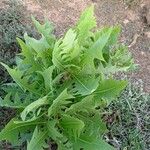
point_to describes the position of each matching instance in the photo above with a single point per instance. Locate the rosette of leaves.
(62, 85)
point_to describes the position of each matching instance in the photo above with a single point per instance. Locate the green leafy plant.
(61, 86)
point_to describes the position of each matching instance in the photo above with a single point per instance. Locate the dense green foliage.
(62, 85)
(129, 128)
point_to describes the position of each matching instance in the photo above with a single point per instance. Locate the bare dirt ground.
(135, 22)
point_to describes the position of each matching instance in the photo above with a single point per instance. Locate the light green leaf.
(109, 89)
(122, 59)
(38, 45)
(68, 40)
(85, 24)
(14, 102)
(38, 140)
(66, 50)
(26, 52)
(33, 106)
(59, 103)
(59, 138)
(22, 82)
(41, 47)
(85, 105)
(14, 127)
(72, 126)
(70, 46)
(30, 59)
(56, 57)
(85, 85)
(96, 50)
(94, 124)
(88, 142)
(46, 29)
(53, 132)
(112, 38)
(47, 76)
(64, 144)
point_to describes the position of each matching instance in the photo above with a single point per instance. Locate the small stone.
(147, 34)
(126, 21)
(148, 16)
(142, 53)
